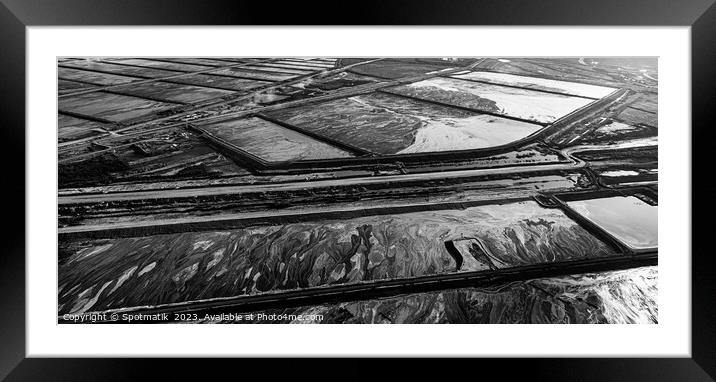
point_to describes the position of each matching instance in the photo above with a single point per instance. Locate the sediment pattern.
(113, 107)
(622, 297)
(272, 142)
(388, 124)
(159, 269)
(520, 103)
(536, 83)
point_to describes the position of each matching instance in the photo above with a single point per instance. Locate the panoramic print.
(373, 190)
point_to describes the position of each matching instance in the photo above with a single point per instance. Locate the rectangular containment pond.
(525, 104)
(311, 68)
(307, 63)
(70, 128)
(109, 273)
(388, 124)
(536, 83)
(266, 68)
(171, 92)
(93, 78)
(220, 82)
(66, 86)
(255, 74)
(628, 218)
(180, 67)
(124, 70)
(271, 142)
(200, 61)
(112, 107)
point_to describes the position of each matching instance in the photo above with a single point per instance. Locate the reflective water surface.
(628, 218)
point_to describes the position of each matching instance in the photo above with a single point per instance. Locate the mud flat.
(628, 218)
(388, 124)
(66, 86)
(519, 103)
(70, 128)
(112, 273)
(162, 64)
(633, 116)
(621, 297)
(111, 107)
(291, 65)
(255, 74)
(133, 71)
(171, 92)
(158, 69)
(480, 131)
(536, 83)
(202, 61)
(648, 101)
(108, 71)
(182, 267)
(93, 77)
(221, 82)
(266, 68)
(271, 142)
(306, 63)
(567, 69)
(393, 68)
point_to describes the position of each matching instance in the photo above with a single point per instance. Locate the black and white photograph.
(193, 188)
(357, 190)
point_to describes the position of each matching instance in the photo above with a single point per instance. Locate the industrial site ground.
(357, 190)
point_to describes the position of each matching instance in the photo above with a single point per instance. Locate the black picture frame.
(16, 15)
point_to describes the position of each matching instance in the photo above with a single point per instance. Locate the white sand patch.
(204, 244)
(89, 303)
(641, 142)
(615, 127)
(123, 278)
(440, 71)
(619, 173)
(87, 252)
(521, 103)
(147, 268)
(468, 133)
(564, 87)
